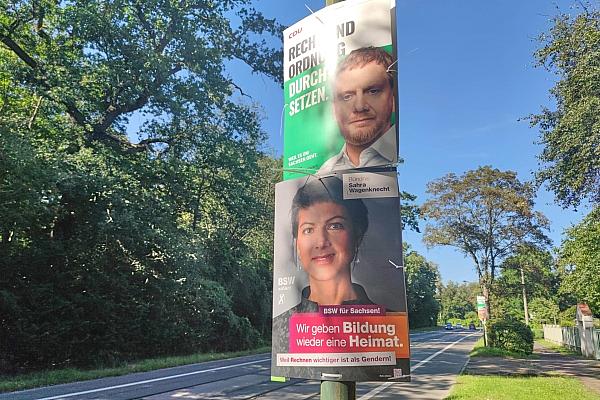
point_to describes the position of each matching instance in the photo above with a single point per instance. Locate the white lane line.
(384, 386)
(164, 378)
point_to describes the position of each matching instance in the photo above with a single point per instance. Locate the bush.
(567, 317)
(511, 335)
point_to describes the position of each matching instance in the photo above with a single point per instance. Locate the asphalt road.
(436, 359)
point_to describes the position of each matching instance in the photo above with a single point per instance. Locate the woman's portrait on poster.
(327, 233)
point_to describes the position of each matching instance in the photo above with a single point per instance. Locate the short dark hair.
(365, 55)
(330, 189)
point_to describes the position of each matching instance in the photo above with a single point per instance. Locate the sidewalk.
(546, 363)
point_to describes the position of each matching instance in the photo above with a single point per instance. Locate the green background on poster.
(311, 134)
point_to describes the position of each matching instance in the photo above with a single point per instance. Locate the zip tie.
(304, 171)
(313, 13)
(390, 66)
(281, 121)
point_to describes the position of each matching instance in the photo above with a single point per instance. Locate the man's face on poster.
(363, 103)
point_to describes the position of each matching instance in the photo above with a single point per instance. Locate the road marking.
(384, 386)
(164, 378)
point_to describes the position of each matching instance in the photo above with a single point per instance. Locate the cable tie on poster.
(281, 120)
(313, 13)
(305, 171)
(389, 165)
(331, 377)
(390, 66)
(395, 266)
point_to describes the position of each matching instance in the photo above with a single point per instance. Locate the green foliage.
(568, 316)
(473, 317)
(511, 335)
(571, 133)
(579, 261)
(99, 61)
(111, 277)
(458, 301)
(508, 306)
(537, 264)
(541, 286)
(113, 250)
(422, 278)
(479, 350)
(543, 311)
(409, 211)
(486, 213)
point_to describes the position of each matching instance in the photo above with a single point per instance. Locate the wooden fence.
(571, 337)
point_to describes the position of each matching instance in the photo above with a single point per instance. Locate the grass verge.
(481, 351)
(54, 377)
(557, 347)
(470, 387)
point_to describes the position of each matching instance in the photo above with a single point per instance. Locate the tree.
(100, 61)
(579, 261)
(113, 250)
(485, 213)
(543, 311)
(571, 133)
(422, 279)
(567, 317)
(527, 273)
(457, 300)
(409, 211)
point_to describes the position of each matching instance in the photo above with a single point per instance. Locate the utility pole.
(337, 390)
(524, 295)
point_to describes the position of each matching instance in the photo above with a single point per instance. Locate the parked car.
(459, 325)
(472, 326)
(448, 326)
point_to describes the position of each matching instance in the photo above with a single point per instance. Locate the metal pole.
(485, 341)
(524, 296)
(337, 390)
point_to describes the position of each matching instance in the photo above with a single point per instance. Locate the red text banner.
(315, 333)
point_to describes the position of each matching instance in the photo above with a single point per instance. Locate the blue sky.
(466, 78)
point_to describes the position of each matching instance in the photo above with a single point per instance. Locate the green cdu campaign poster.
(340, 91)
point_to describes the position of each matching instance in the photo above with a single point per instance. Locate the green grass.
(54, 377)
(470, 387)
(557, 347)
(481, 351)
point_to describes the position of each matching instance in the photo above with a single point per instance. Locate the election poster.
(339, 296)
(340, 89)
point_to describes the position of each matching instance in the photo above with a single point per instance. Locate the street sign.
(481, 308)
(480, 302)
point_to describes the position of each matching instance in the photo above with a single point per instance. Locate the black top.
(307, 305)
